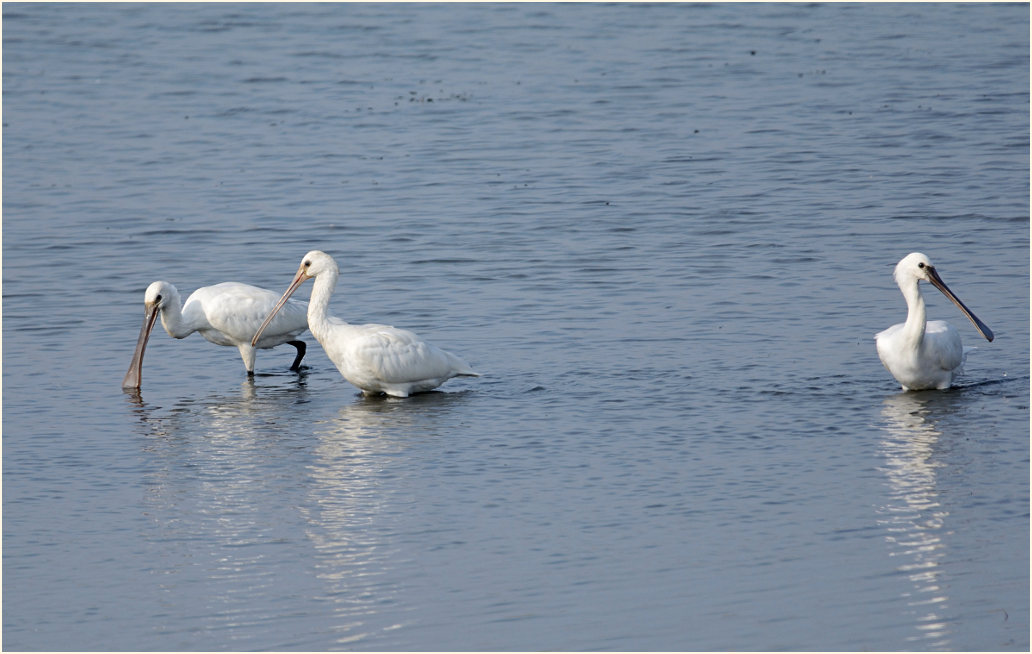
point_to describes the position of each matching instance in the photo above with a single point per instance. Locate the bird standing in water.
(225, 314)
(924, 354)
(378, 359)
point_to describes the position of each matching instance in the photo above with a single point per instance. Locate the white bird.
(378, 359)
(921, 354)
(225, 314)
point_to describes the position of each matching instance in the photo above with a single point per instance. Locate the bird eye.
(920, 264)
(158, 298)
(307, 263)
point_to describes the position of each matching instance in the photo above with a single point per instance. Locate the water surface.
(665, 234)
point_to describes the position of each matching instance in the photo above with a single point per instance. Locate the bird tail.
(460, 367)
(959, 370)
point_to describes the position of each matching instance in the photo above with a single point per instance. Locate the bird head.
(158, 295)
(316, 262)
(914, 266)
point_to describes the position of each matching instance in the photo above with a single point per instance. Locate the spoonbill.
(378, 359)
(924, 354)
(225, 314)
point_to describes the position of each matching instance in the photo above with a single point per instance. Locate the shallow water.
(665, 234)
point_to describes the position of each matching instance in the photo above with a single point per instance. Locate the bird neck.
(318, 304)
(172, 317)
(914, 328)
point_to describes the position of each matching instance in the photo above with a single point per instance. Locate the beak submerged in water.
(135, 372)
(299, 279)
(937, 282)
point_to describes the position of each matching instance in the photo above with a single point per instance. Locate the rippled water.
(664, 233)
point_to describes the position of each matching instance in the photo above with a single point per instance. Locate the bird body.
(923, 354)
(385, 359)
(225, 314)
(933, 360)
(378, 359)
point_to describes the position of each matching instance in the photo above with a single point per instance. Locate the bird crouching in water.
(378, 359)
(924, 354)
(225, 314)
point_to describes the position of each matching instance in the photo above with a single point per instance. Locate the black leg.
(301, 347)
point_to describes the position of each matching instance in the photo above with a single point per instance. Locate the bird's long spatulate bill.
(135, 372)
(982, 328)
(298, 279)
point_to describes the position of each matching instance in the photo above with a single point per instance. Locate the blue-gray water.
(665, 234)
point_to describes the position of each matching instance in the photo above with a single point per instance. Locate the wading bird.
(923, 354)
(225, 314)
(378, 359)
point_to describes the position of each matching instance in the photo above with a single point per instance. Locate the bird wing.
(237, 310)
(398, 356)
(943, 341)
(888, 332)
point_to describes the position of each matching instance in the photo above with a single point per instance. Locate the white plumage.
(225, 314)
(378, 359)
(924, 354)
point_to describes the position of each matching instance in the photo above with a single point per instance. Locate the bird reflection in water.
(914, 518)
(217, 520)
(356, 503)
